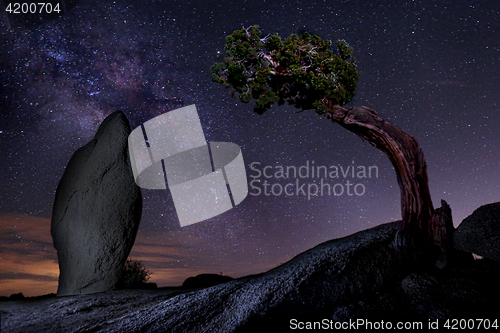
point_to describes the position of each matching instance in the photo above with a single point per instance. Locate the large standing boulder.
(96, 213)
(480, 232)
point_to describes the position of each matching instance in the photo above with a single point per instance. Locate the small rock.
(205, 280)
(17, 296)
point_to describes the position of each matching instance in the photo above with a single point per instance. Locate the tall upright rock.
(96, 213)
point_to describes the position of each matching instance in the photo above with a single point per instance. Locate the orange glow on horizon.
(29, 259)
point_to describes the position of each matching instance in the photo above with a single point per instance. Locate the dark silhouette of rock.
(149, 285)
(96, 211)
(205, 280)
(16, 296)
(464, 289)
(480, 232)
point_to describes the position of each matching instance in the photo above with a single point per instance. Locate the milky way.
(430, 67)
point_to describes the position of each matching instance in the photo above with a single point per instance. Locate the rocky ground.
(349, 278)
(77, 313)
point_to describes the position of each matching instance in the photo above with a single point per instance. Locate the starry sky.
(429, 67)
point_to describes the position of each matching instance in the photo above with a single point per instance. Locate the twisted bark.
(424, 233)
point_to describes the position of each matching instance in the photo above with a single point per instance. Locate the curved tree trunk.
(425, 233)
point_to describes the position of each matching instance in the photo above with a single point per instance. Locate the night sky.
(429, 67)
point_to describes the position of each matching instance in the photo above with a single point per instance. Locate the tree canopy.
(302, 70)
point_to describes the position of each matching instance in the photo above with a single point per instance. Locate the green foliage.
(133, 275)
(301, 70)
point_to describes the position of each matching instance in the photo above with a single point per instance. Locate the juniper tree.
(308, 72)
